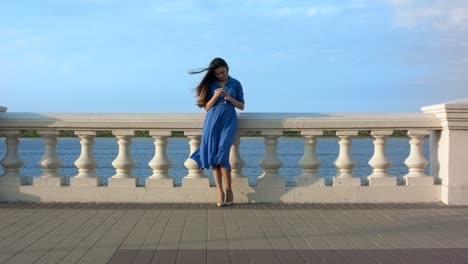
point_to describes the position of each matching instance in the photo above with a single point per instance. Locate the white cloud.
(307, 11)
(167, 7)
(438, 14)
(311, 11)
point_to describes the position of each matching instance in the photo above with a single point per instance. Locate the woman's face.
(221, 73)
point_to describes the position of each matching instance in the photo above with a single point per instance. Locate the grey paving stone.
(49, 241)
(56, 254)
(24, 239)
(90, 241)
(260, 233)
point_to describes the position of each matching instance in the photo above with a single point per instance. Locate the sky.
(133, 56)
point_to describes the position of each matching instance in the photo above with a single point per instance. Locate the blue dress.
(219, 128)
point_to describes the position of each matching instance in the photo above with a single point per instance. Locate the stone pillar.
(50, 163)
(271, 163)
(379, 161)
(86, 163)
(309, 162)
(449, 147)
(160, 163)
(123, 164)
(416, 162)
(344, 163)
(195, 176)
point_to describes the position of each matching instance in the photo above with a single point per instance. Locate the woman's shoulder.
(235, 81)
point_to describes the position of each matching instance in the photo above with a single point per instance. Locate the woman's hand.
(227, 96)
(218, 92)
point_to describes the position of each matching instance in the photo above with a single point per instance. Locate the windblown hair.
(202, 89)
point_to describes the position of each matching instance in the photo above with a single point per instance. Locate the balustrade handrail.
(194, 121)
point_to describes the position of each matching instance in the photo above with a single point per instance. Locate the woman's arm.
(237, 104)
(212, 101)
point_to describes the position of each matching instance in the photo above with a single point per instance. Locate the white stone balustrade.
(309, 162)
(379, 161)
(271, 163)
(160, 163)
(86, 163)
(123, 164)
(446, 123)
(416, 162)
(344, 163)
(50, 162)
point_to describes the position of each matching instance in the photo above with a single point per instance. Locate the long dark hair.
(202, 89)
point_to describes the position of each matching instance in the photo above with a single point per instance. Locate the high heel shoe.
(229, 198)
(220, 202)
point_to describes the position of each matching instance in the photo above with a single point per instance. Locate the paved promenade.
(261, 233)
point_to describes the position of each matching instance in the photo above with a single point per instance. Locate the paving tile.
(66, 246)
(22, 239)
(169, 244)
(144, 256)
(106, 247)
(284, 249)
(25, 222)
(90, 241)
(49, 241)
(193, 245)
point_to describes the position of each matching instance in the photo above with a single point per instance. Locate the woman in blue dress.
(219, 94)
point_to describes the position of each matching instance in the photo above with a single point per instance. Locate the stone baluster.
(50, 163)
(344, 163)
(86, 163)
(123, 164)
(379, 161)
(309, 162)
(239, 181)
(416, 162)
(195, 176)
(271, 163)
(160, 162)
(11, 162)
(235, 159)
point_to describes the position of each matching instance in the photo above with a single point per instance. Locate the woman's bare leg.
(226, 173)
(217, 175)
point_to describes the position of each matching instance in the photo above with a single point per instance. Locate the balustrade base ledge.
(122, 182)
(239, 183)
(382, 181)
(348, 182)
(315, 182)
(270, 179)
(48, 181)
(454, 195)
(84, 182)
(195, 182)
(419, 181)
(245, 194)
(159, 183)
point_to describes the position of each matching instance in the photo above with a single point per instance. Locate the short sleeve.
(240, 93)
